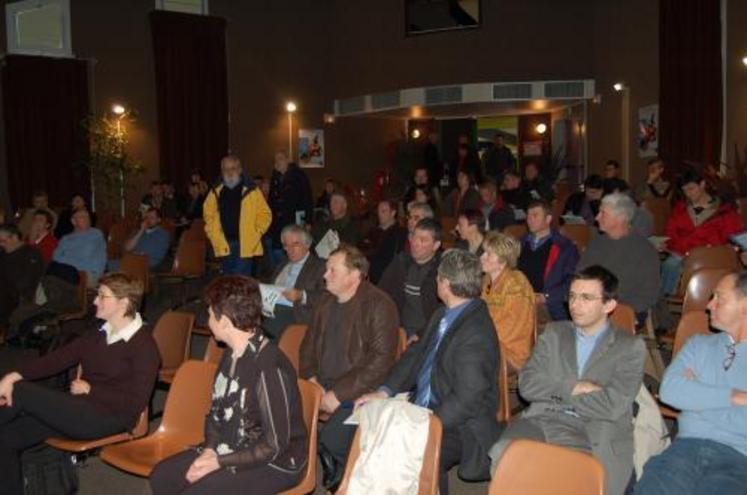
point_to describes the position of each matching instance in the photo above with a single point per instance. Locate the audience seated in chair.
(509, 297)
(548, 259)
(643, 220)
(535, 184)
(582, 380)
(255, 436)
(410, 279)
(39, 201)
(65, 220)
(384, 241)
(452, 370)
(119, 368)
(471, 228)
(463, 197)
(631, 258)
(349, 349)
(302, 275)
(21, 269)
(585, 204)
(656, 186)
(513, 191)
(150, 239)
(339, 221)
(84, 248)
(41, 236)
(498, 214)
(707, 382)
(700, 220)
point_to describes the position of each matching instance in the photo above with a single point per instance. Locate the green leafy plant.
(112, 169)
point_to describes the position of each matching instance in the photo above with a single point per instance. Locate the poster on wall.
(648, 130)
(311, 148)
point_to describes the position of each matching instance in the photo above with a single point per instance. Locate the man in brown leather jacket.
(349, 348)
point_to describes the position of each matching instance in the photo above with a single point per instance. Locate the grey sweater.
(635, 263)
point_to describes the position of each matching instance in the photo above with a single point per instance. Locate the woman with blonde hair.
(509, 296)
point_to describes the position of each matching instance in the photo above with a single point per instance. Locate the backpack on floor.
(48, 471)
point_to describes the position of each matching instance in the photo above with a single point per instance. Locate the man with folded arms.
(707, 382)
(581, 380)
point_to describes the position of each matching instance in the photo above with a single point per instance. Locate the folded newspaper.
(327, 244)
(270, 295)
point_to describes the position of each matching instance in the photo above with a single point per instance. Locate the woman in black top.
(255, 437)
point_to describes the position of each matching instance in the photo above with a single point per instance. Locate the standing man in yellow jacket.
(236, 216)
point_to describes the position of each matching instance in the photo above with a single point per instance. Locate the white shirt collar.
(126, 333)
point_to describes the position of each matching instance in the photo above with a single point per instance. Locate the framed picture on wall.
(648, 130)
(311, 148)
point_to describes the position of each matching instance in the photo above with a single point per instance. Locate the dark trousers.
(337, 438)
(234, 264)
(39, 413)
(693, 466)
(168, 478)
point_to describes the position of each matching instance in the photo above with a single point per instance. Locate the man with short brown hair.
(349, 348)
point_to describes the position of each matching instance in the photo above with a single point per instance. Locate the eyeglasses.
(731, 354)
(102, 295)
(572, 296)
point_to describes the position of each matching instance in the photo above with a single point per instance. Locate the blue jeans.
(671, 271)
(234, 264)
(692, 466)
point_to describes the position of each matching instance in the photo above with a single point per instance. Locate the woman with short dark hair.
(255, 437)
(119, 365)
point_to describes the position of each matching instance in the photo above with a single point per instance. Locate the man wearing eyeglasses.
(582, 379)
(707, 382)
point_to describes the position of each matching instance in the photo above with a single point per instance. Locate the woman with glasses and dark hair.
(118, 369)
(255, 437)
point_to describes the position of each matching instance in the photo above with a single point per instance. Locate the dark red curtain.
(192, 93)
(690, 81)
(45, 102)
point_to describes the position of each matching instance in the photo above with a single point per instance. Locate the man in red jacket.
(700, 220)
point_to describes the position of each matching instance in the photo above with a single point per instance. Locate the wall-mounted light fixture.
(541, 128)
(618, 86)
(290, 107)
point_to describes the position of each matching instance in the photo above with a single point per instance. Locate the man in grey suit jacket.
(303, 277)
(582, 380)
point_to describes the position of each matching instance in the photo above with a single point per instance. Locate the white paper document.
(573, 219)
(329, 243)
(270, 295)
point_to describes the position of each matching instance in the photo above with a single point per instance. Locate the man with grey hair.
(630, 257)
(415, 213)
(303, 277)
(452, 369)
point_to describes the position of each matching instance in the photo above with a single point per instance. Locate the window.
(39, 27)
(186, 6)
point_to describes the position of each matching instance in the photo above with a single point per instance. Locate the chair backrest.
(700, 288)
(449, 238)
(504, 394)
(428, 482)
(742, 203)
(660, 208)
(136, 266)
(691, 323)
(290, 342)
(311, 398)
(213, 352)
(402, 342)
(535, 468)
(189, 259)
(707, 257)
(517, 231)
(188, 402)
(624, 317)
(117, 236)
(172, 337)
(195, 232)
(579, 233)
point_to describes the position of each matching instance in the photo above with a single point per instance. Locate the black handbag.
(48, 471)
